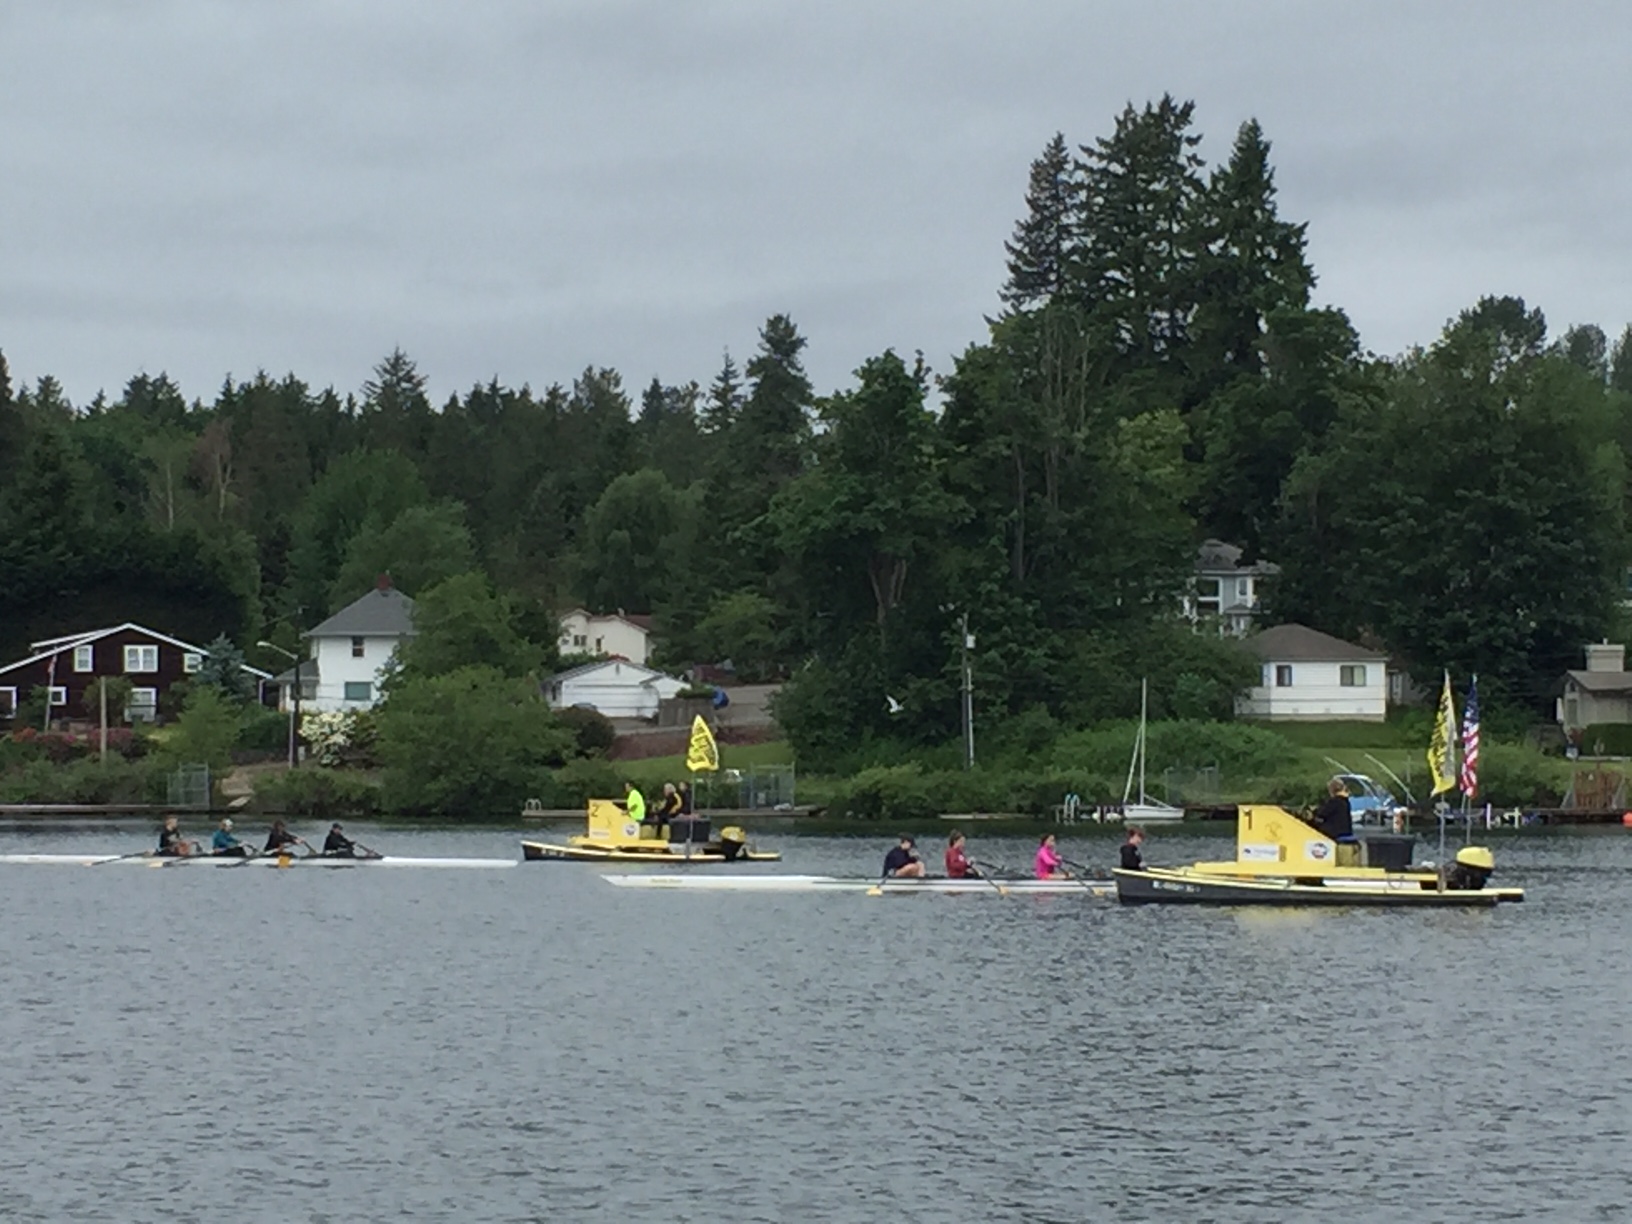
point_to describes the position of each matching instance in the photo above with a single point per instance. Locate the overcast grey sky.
(521, 188)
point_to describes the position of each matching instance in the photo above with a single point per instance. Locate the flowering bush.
(340, 737)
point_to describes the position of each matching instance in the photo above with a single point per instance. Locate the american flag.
(1470, 741)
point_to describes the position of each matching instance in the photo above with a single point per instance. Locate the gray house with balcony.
(1225, 592)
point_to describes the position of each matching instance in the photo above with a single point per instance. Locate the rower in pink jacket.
(1050, 866)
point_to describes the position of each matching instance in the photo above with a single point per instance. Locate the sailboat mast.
(1144, 700)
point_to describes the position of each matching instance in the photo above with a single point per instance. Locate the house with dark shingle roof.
(1600, 694)
(1314, 676)
(351, 652)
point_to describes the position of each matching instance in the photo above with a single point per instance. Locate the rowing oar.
(981, 875)
(122, 858)
(877, 890)
(248, 857)
(1085, 872)
(367, 853)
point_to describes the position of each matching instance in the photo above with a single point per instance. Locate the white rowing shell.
(264, 860)
(814, 883)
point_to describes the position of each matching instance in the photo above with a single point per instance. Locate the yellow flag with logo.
(1441, 748)
(703, 754)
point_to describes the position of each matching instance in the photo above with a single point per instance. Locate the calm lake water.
(535, 1045)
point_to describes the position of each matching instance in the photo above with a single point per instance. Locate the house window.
(356, 648)
(59, 695)
(598, 642)
(1283, 675)
(579, 639)
(8, 701)
(1352, 675)
(84, 658)
(1243, 588)
(144, 705)
(191, 662)
(141, 658)
(359, 690)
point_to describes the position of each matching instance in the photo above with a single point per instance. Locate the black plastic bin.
(1390, 851)
(698, 826)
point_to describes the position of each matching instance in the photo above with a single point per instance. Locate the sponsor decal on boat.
(1261, 853)
(1319, 851)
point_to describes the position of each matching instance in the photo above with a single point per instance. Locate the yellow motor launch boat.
(1281, 860)
(613, 838)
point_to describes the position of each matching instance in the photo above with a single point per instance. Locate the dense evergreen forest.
(1155, 373)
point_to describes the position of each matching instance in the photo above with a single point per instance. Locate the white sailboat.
(1146, 810)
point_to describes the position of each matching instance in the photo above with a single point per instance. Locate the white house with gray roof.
(351, 652)
(1314, 676)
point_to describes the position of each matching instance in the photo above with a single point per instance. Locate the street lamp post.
(968, 643)
(294, 712)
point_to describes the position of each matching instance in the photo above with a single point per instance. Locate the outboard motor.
(1474, 866)
(733, 841)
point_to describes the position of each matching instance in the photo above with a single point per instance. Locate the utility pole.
(294, 713)
(968, 694)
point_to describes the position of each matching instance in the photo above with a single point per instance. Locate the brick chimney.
(1604, 657)
(383, 583)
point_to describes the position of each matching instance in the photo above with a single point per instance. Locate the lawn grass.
(658, 770)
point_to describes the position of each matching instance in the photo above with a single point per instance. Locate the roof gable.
(641, 674)
(383, 612)
(47, 647)
(1301, 644)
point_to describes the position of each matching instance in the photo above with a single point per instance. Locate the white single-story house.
(1600, 694)
(351, 652)
(615, 687)
(621, 635)
(1314, 676)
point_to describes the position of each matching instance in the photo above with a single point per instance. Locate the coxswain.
(958, 866)
(1473, 868)
(171, 842)
(685, 798)
(1049, 865)
(634, 803)
(903, 862)
(225, 843)
(1132, 860)
(337, 844)
(280, 838)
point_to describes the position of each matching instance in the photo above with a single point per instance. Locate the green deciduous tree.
(637, 542)
(420, 547)
(1486, 534)
(463, 622)
(469, 743)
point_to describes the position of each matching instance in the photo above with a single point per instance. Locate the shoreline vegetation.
(1234, 762)
(1016, 528)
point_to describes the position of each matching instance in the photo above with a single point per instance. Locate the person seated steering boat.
(1335, 819)
(225, 843)
(172, 844)
(634, 803)
(958, 864)
(1048, 864)
(337, 844)
(1472, 870)
(279, 839)
(1132, 860)
(903, 862)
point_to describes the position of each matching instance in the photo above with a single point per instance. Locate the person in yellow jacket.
(634, 803)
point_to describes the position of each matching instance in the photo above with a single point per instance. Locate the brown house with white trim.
(153, 662)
